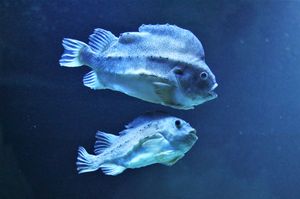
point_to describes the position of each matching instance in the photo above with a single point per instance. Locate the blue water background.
(249, 137)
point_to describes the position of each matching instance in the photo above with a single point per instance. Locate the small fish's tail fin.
(73, 47)
(85, 161)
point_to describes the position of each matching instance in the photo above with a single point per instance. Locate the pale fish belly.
(154, 150)
(134, 77)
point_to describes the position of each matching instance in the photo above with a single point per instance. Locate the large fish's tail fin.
(85, 161)
(99, 41)
(71, 56)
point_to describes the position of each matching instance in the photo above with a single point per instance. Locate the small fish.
(161, 64)
(149, 139)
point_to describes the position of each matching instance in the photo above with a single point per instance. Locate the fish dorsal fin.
(101, 39)
(124, 132)
(146, 118)
(103, 141)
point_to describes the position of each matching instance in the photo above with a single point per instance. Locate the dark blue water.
(249, 137)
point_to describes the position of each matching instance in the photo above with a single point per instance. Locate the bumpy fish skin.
(160, 64)
(150, 139)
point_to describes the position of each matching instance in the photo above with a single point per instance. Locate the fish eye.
(178, 124)
(204, 75)
(178, 71)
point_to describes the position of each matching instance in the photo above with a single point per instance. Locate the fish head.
(196, 82)
(179, 133)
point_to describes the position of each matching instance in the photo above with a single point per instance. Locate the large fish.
(161, 64)
(149, 139)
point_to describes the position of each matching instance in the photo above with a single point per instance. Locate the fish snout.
(193, 131)
(214, 86)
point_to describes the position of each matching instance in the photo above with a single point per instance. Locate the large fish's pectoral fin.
(165, 92)
(103, 141)
(112, 169)
(91, 80)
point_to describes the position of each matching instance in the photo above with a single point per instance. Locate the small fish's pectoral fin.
(165, 92)
(173, 161)
(112, 169)
(154, 141)
(103, 141)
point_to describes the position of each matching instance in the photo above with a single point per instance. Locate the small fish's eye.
(178, 124)
(178, 71)
(204, 75)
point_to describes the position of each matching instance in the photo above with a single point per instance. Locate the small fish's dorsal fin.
(145, 118)
(124, 132)
(103, 141)
(101, 39)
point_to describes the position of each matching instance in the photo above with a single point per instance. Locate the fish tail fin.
(71, 55)
(85, 161)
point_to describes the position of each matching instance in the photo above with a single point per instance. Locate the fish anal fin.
(103, 141)
(91, 80)
(112, 169)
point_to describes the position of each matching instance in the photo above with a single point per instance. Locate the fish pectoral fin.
(173, 161)
(112, 169)
(153, 141)
(165, 92)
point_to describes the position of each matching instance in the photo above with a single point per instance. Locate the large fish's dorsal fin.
(146, 118)
(103, 141)
(101, 39)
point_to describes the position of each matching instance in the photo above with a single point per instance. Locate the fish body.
(149, 139)
(161, 64)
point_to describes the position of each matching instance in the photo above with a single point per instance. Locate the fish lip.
(193, 132)
(212, 93)
(214, 86)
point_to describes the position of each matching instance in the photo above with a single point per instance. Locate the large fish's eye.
(204, 75)
(178, 124)
(178, 71)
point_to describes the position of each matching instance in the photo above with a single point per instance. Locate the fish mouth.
(193, 132)
(212, 94)
(192, 137)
